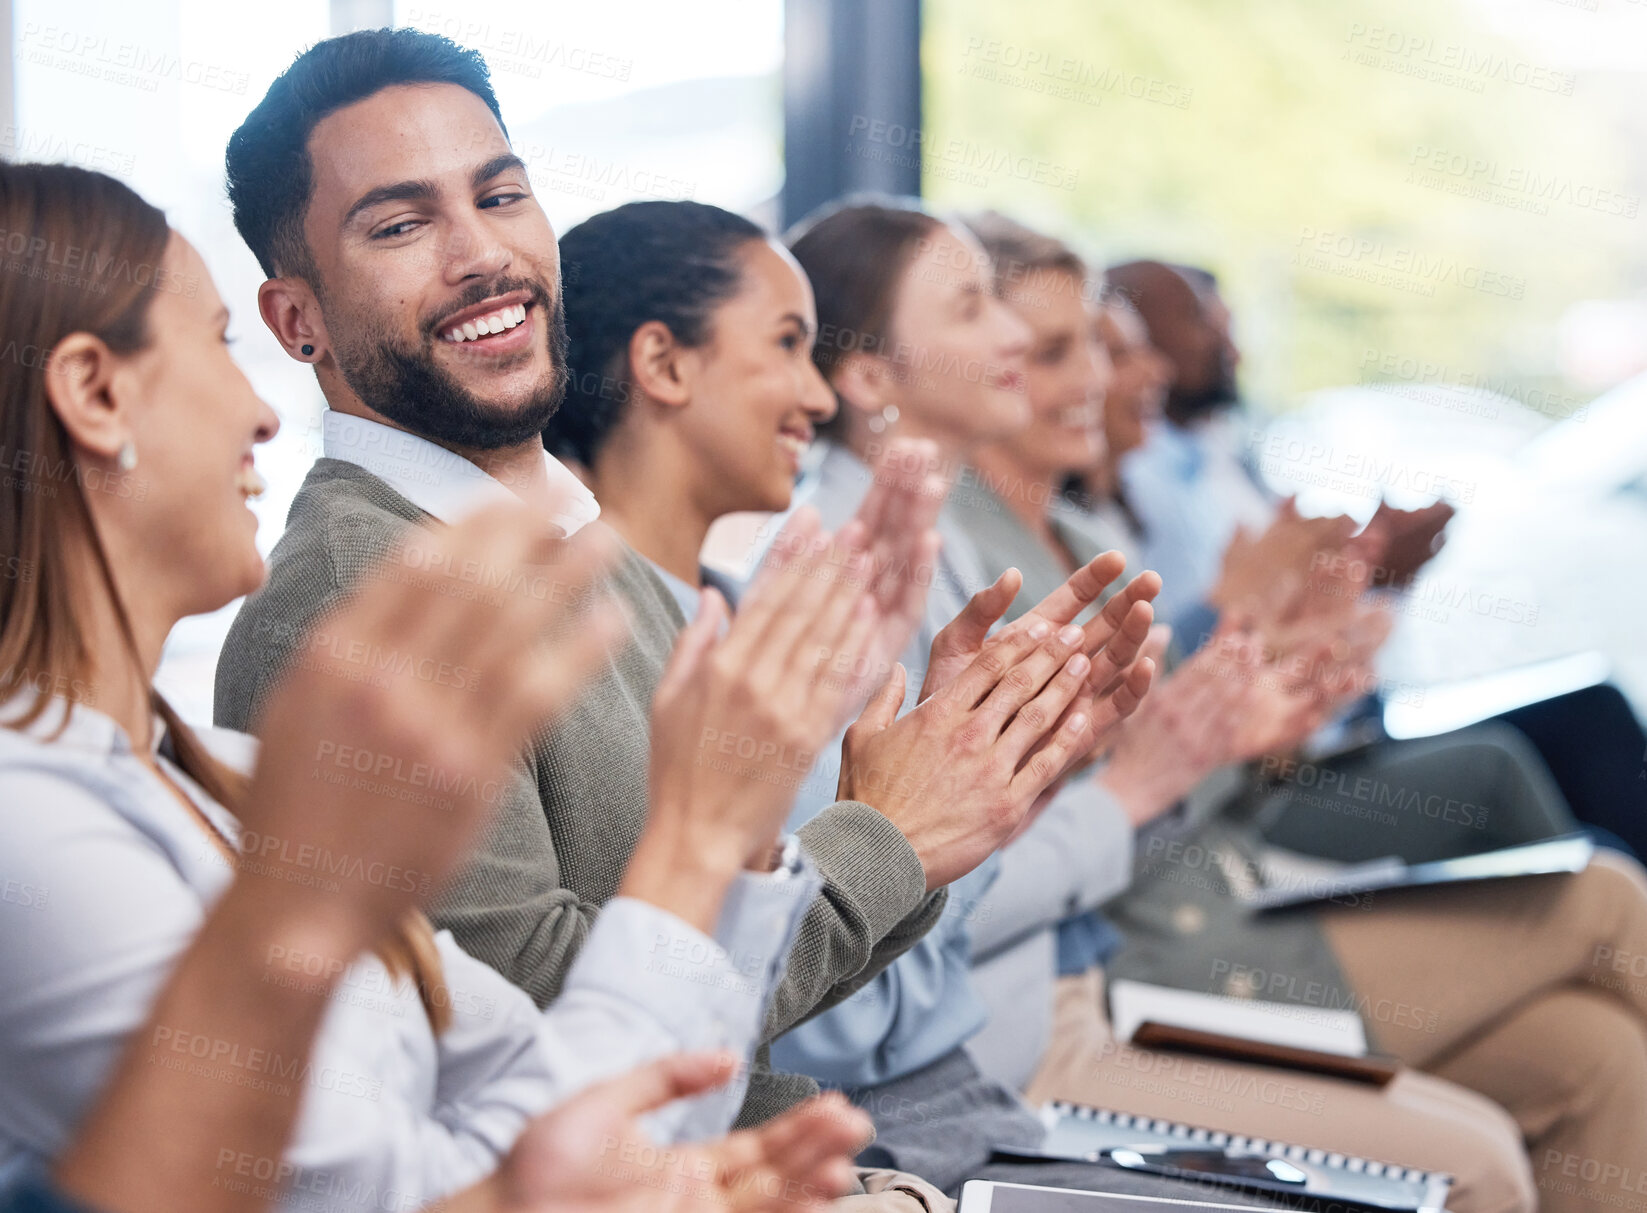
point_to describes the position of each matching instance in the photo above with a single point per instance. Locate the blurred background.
(1424, 214)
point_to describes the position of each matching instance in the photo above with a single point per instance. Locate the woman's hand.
(591, 1155)
(738, 720)
(385, 746)
(957, 773)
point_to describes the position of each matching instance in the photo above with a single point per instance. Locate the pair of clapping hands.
(1299, 633)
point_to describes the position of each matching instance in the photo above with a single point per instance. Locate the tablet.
(986, 1196)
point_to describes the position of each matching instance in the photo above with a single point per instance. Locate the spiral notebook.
(1079, 1134)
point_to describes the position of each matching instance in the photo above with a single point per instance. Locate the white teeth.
(250, 483)
(485, 326)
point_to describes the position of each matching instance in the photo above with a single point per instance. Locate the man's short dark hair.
(270, 174)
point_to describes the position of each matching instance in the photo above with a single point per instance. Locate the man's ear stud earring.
(308, 349)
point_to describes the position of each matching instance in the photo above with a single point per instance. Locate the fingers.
(536, 599)
(651, 1086)
(1123, 646)
(882, 709)
(1019, 685)
(967, 631)
(902, 595)
(1041, 714)
(778, 580)
(816, 617)
(1160, 639)
(1083, 588)
(807, 1136)
(1065, 746)
(999, 654)
(1135, 684)
(1099, 629)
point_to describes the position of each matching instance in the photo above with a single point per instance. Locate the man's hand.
(1259, 573)
(409, 701)
(591, 1155)
(1412, 538)
(958, 772)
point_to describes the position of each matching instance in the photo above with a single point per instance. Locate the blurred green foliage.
(1370, 179)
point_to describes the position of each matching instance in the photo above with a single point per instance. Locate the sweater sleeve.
(873, 908)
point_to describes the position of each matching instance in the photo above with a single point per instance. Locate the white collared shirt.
(105, 878)
(434, 479)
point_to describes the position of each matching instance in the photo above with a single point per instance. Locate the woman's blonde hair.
(81, 253)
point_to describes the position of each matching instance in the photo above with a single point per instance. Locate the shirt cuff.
(762, 915)
(701, 995)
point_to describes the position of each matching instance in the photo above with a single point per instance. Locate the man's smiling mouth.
(485, 325)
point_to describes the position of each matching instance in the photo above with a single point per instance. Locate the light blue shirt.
(1191, 490)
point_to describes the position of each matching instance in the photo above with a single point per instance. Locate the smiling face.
(1068, 374)
(1139, 386)
(956, 350)
(439, 277)
(194, 422)
(756, 394)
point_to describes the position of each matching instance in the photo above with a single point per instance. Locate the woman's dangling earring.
(887, 416)
(126, 456)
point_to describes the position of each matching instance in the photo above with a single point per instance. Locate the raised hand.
(1412, 539)
(960, 640)
(1260, 572)
(592, 1155)
(409, 701)
(1112, 639)
(957, 773)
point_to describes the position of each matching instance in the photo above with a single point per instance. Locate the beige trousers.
(1525, 1000)
(1535, 994)
(1416, 1120)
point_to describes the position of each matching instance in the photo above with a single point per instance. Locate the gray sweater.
(571, 817)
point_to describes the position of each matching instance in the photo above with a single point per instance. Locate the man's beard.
(410, 389)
